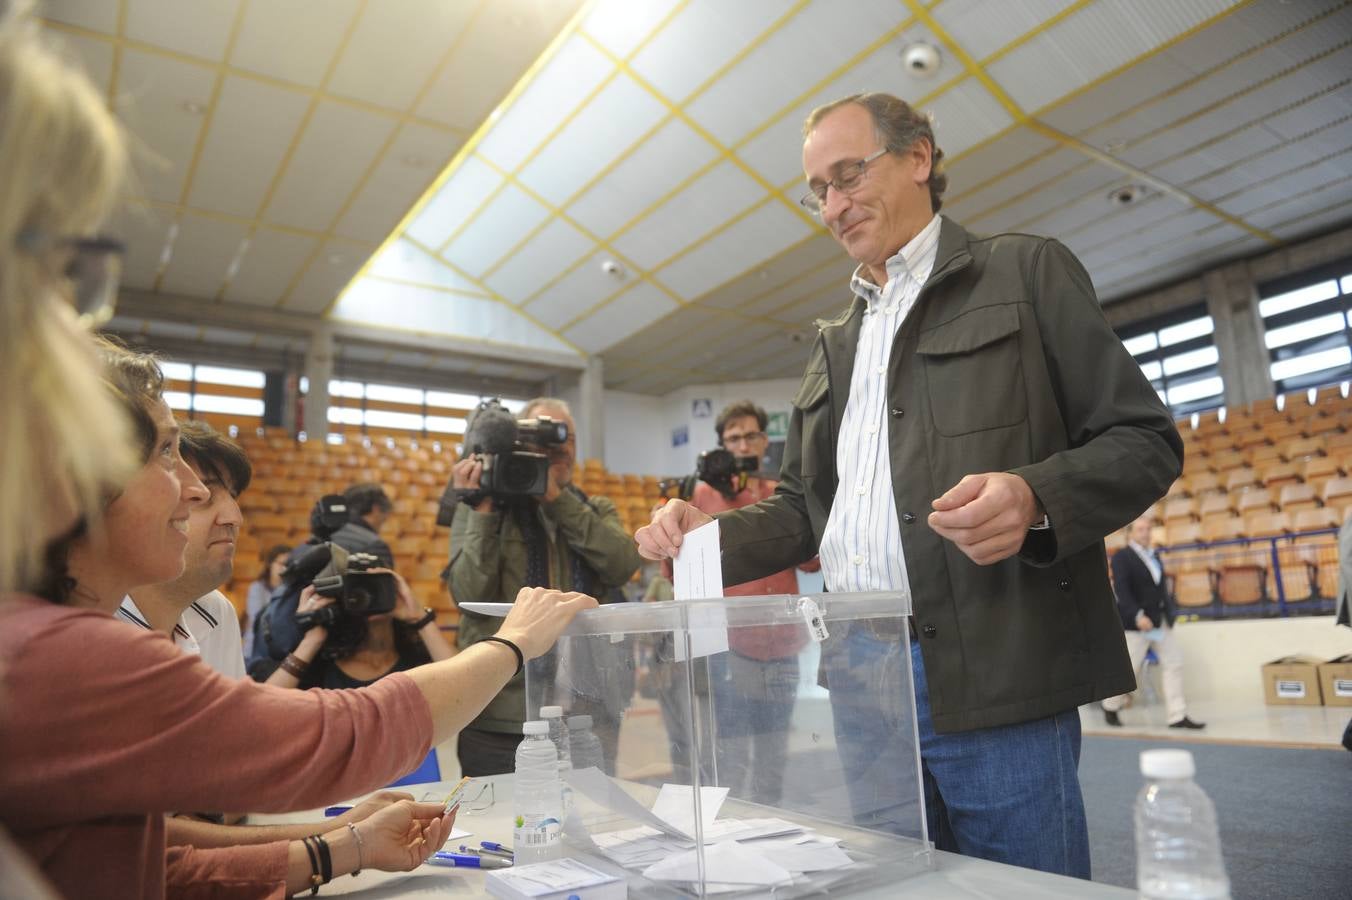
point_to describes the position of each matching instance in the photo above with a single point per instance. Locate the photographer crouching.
(517, 520)
(359, 620)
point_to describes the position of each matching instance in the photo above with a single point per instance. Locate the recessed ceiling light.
(193, 107)
(1126, 194)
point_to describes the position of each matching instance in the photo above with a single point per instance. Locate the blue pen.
(336, 810)
(466, 860)
(494, 845)
(502, 854)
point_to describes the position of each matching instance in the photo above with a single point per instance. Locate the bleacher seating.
(290, 475)
(1260, 490)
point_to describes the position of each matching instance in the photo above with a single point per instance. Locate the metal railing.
(1285, 575)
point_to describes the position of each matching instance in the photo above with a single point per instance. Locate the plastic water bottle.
(558, 733)
(1178, 846)
(584, 744)
(537, 804)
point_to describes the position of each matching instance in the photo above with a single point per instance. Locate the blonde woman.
(103, 727)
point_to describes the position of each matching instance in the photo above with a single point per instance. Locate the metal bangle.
(357, 834)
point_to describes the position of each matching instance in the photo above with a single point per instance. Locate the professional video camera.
(334, 572)
(719, 469)
(501, 440)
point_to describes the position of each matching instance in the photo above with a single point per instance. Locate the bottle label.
(536, 831)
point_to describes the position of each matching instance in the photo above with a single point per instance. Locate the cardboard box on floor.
(1292, 681)
(1335, 680)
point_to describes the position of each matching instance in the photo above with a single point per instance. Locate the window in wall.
(221, 390)
(365, 407)
(1307, 320)
(1177, 352)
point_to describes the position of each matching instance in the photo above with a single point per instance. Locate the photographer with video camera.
(756, 683)
(517, 520)
(360, 622)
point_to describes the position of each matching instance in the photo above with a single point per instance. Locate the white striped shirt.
(861, 546)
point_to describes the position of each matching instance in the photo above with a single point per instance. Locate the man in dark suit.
(1148, 615)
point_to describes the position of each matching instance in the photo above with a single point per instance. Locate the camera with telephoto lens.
(723, 471)
(507, 447)
(357, 593)
(719, 469)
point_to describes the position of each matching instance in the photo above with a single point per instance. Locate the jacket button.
(908, 518)
(929, 631)
(1064, 584)
(897, 412)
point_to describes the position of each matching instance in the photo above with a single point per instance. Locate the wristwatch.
(430, 616)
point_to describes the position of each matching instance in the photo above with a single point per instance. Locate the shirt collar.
(130, 612)
(915, 260)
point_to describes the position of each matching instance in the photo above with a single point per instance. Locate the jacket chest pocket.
(810, 403)
(973, 371)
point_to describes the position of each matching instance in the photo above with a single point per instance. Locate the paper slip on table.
(951, 877)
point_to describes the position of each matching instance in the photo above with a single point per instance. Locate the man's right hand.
(465, 477)
(538, 617)
(662, 538)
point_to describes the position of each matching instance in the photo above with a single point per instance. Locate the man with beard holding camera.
(757, 682)
(561, 539)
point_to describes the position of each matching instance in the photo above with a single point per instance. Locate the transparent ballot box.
(743, 746)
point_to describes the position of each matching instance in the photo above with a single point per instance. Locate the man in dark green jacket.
(965, 434)
(563, 540)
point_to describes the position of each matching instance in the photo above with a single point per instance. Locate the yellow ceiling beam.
(275, 182)
(1083, 147)
(247, 74)
(115, 73)
(210, 111)
(470, 145)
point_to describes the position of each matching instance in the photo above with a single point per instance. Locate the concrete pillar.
(1232, 301)
(590, 410)
(318, 369)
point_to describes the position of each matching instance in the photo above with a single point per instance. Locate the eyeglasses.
(845, 182)
(749, 438)
(93, 266)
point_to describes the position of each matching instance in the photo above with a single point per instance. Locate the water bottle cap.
(551, 712)
(1167, 764)
(579, 721)
(536, 727)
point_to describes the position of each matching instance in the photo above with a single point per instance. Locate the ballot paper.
(697, 574)
(675, 805)
(672, 813)
(697, 570)
(724, 863)
(555, 880)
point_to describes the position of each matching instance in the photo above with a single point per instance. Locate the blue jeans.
(1009, 793)
(753, 706)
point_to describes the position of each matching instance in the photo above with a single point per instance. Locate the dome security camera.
(921, 59)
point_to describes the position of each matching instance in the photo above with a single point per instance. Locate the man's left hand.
(559, 475)
(986, 515)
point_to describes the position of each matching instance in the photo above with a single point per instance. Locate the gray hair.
(898, 126)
